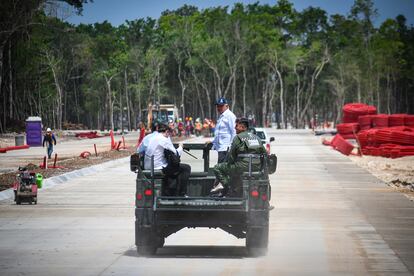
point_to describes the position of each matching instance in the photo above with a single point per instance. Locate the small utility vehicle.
(244, 213)
(25, 188)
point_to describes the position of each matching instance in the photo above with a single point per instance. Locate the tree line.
(271, 61)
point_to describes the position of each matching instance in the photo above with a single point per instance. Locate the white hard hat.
(48, 129)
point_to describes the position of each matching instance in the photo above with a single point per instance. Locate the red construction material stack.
(380, 121)
(348, 130)
(352, 111)
(365, 121)
(363, 138)
(389, 151)
(384, 135)
(396, 120)
(341, 145)
(334, 141)
(403, 136)
(89, 135)
(409, 120)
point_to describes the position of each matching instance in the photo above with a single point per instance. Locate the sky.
(116, 12)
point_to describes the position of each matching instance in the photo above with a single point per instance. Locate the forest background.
(272, 62)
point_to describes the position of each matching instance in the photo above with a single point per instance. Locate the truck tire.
(257, 239)
(147, 241)
(146, 250)
(161, 241)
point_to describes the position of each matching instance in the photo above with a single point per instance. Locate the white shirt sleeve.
(232, 126)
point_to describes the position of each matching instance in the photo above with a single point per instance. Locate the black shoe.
(218, 194)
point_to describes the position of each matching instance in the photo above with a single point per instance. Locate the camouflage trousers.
(224, 171)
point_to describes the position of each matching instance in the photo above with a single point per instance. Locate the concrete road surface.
(330, 218)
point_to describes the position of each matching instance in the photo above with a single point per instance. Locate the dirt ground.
(397, 173)
(68, 164)
(70, 160)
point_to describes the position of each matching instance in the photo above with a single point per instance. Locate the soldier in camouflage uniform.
(243, 143)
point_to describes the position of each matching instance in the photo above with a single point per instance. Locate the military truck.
(244, 213)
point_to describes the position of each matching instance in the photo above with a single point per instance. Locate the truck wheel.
(161, 242)
(146, 250)
(257, 239)
(18, 200)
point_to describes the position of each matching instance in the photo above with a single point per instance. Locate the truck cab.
(244, 213)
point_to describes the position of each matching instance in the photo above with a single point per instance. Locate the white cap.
(48, 129)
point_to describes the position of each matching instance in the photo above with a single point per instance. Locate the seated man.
(243, 143)
(156, 147)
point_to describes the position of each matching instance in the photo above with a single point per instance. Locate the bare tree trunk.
(1, 87)
(217, 78)
(282, 99)
(358, 81)
(233, 94)
(244, 91)
(298, 92)
(75, 91)
(200, 100)
(110, 101)
(59, 97)
(65, 99)
(264, 103)
(1, 127)
(127, 99)
(121, 113)
(378, 93)
(388, 93)
(158, 82)
(272, 93)
(10, 83)
(183, 88)
(315, 75)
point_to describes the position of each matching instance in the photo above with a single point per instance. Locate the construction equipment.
(25, 189)
(163, 113)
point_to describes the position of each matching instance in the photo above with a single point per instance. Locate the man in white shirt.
(225, 129)
(158, 143)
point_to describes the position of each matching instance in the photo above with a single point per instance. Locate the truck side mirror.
(272, 139)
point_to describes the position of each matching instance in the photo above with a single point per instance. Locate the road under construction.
(330, 217)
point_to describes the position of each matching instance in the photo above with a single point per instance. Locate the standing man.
(244, 143)
(225, 129)
(50, 139)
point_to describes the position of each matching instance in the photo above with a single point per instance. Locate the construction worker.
(243, 143)
(50, 139)
(198, 127)
(206, 128)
